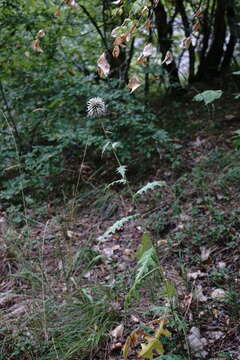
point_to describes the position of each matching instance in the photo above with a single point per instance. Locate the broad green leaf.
(208, 96)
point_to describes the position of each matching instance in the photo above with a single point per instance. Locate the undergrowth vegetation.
(120, 204)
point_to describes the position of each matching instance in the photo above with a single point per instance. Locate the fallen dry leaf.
(218, 294)
(117, 332)
(199, 294)
(195, 275)
(205, 253)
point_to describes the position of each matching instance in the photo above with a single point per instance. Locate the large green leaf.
(208, 96)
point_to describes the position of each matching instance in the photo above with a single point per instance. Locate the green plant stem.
(117, 159)
(73, 208)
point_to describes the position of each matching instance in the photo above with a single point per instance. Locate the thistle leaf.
(149, 186)
(116, 226)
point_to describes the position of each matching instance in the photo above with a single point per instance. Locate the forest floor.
(68, 292)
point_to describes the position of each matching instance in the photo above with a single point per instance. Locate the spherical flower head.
(96, 107)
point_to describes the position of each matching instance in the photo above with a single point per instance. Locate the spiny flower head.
(96, 107)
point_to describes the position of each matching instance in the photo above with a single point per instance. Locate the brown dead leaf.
(103, 65)
(196, 27)
(57, 13)
(116, 51)
(141, 60)
(168, 58)
(187, 42)
(148, 50)
(117, 332)
(36, 46)
(131, 340)
(134, 83)
(120, 40)
(148, 24)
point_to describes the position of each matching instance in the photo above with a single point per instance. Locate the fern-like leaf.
(116, 226)
(150, 186)
(146, 266)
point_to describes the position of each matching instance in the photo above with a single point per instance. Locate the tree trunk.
(216, 51)
(187, 31)
(164, 31)
(232, 23)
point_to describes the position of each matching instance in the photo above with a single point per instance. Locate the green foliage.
(236, 139)
(149, 187)
(116, 226)
(146, 266)
(208, 96)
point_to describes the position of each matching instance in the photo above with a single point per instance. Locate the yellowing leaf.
(131, 340)
(103, 65)
(147, 349)
(134, 83)
(144, 10)
(154, 343)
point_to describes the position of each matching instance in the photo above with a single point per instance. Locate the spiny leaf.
(117, 182)
(122, 170)
(144, 246)
(149, 186)
(147, 264)
(116, 226)
(154, 343)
